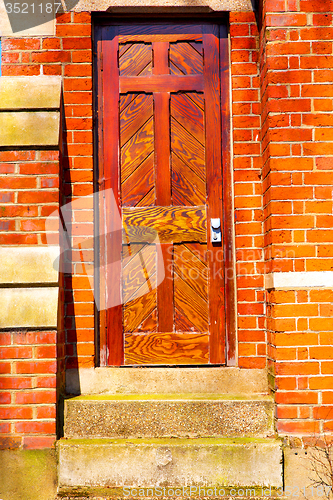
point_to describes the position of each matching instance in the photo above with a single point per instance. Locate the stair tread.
(214, 441)
(172, 397)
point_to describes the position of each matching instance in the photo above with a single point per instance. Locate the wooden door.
(161, 153)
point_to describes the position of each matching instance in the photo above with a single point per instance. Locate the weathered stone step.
(169, 463)
(163, 416)
(167, 380)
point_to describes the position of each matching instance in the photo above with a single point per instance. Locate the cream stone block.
(42, 26)
(26, 265)
(147, 380)
(304, 279)
(164, 5)
(24, 92)
(29, 129)
(28, 307)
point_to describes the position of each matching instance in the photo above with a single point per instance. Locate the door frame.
(103, 182)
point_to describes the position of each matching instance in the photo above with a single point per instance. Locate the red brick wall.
(30, 180)
(29, 193)
(282, 106)
(27, 389)
(296, 94)
(246, 121)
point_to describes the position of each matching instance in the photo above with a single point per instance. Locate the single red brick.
(46, 412)
(38, 442)
(49, 155)
(316, 5)
(297, 427)
(10, 443)
(5, 398)
(52, 69)
(76, 43)
(43, 352)
(5, 338)
(36, 367)
(4, 428)
(50, 56)
(322, 19)
(18, 239)
(10, 57)
(15, 352)
(82, 17)
(20, 70)
(298, 19)
(35, 397)
(36, 427)
(51, 43)
(252, 362)
(15, 413)
(46, 382)
(64, 17)
(5, 368)
(299, 397)
(20, 44)
(41, 197)
(71, 30)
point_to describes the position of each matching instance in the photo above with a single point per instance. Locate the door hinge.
(101, 61)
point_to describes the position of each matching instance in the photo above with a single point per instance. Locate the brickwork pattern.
(29, 194)
(27, 389)
(282, 102)
(246, 123)
(296, 93)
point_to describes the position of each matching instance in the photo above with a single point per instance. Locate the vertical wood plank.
(165, 298)
(100, 249)
(161, 58)
(112, 181)
(163, 186)
(230, 290)
(162, 148)
(214, 190)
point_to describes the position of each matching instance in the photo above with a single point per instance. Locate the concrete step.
(169, 463)
(166, 380)
(166, 416)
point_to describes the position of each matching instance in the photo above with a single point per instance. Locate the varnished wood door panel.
(166, 165)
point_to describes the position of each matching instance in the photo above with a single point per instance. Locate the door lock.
(215, 230)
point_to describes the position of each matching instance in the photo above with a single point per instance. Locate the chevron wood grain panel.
(135, 189)
(183, 323)
(187, 187)
(197, 46)
(136, 150)
(138, 310)
(185, 59)
(191, 269)
(139, 273)
(149, 324)
(134, 58)
(189, 303)
(187, 148)
(173, 224)
(190, 116)
(125, 100)
(191, 288)
(147, 200)
(198, 99)
(166, 348)
(135, 115)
